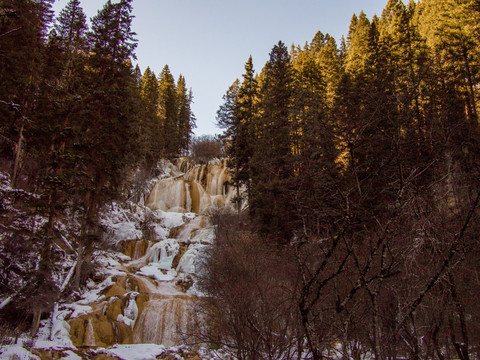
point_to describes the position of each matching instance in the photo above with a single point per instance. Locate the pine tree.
(168, 112)
(186, 118)
(450, 29)
(225, 113)
(327, 56)
(138, 75)
(60, 110)
(23, 30)
(110, 129)
(358, 43)
(71, 28)
(112, 39)
(271, 165)
(245, 110)
(150, 126)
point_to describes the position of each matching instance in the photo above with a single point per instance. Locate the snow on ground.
(153, 271)
(135, 352)
(16, 352)
(123, 222)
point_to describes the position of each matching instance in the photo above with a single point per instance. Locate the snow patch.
(153, 271)
(135, 352)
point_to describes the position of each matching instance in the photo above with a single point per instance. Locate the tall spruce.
(150, 127)
(60, 114)
(245, 112)
(225, 113)
(23, 30)
(108, 140)
(272, 160)
(186, 118)
(451, 29)
(168, 112)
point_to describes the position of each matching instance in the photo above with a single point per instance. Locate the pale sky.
(209, 41)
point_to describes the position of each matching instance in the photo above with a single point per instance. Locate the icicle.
(131, 310)
(188, 197)
(115, 332)
(89, 335)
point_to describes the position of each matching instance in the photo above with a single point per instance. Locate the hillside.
(141, 290)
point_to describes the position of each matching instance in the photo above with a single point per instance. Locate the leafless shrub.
(250, 310)
(205, 148)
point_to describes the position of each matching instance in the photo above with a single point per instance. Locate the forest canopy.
(79, 126)
(359, 158)
(360, 161)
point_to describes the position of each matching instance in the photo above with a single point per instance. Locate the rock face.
(147, 294)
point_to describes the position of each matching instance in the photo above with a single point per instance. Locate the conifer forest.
(337, 215)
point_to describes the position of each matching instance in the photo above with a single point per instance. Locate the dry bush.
(205, 148)
(250, 311)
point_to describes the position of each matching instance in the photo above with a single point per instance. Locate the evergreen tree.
(168, 112)
(225, 114)
(271, 166)
(186, 118)
(451, 29)
(245, 112)
(150, 126)
(328, 59)
(358, 43)
(112, 39)
(23, 29)
(138, 75)
(71, 28)
(109, 132)
(23, 32)
(60, 113)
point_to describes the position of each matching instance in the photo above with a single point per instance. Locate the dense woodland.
(360, 161)
(79, 126)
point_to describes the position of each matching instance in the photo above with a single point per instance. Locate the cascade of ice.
(199, 188)
(164, 321)
(130, 313)
(163, 253)
(150, 297)
(89, 334)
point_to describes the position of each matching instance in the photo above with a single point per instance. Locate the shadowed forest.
(358, 159)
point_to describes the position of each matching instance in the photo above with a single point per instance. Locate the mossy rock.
(124, 333)
(77, 330)
(114, 308)
(135, 249)
(174, 232)
(103, 331)
(49, 354)
(117, 289)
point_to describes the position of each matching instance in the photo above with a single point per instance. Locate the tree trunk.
(52, 322)
(460, 347)
(37, 313)
(18, 154)
(78, 266)
(472, 105)
(377, 332)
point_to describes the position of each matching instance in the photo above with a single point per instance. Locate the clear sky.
(209, 41)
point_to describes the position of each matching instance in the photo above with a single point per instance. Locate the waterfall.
(164, 321)
(152, 287)
(196, 190)
(89, 334)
